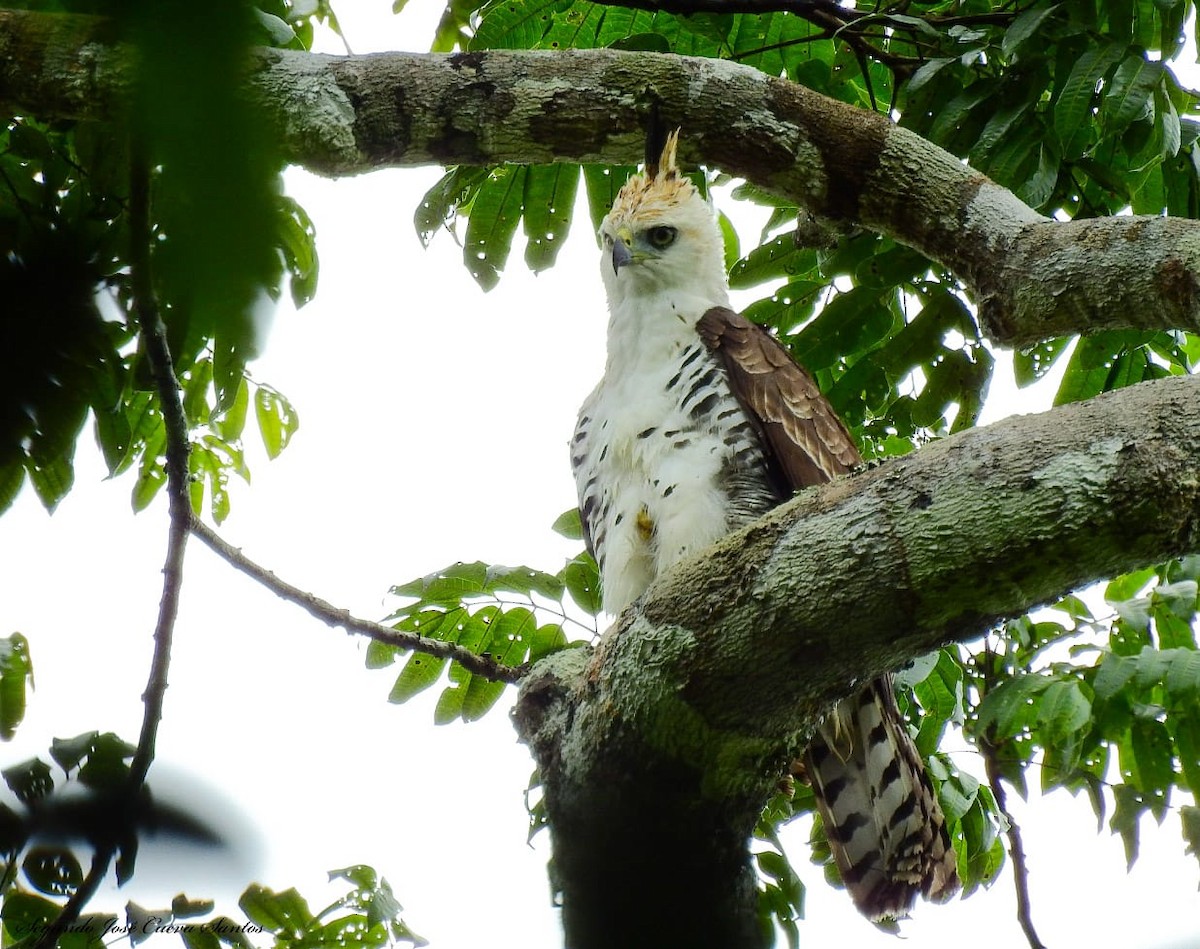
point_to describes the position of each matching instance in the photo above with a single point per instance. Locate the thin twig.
(1016, 848)
(326, 612)
(154, 340)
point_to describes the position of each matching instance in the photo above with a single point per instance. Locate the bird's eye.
(662, 236)
(607, 238)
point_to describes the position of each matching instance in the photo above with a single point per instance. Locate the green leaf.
(1023, 27)
(453, 193)
(1030, 365)
(1113, 674)
(449, 704)
(1009, 707)
(1178, 597)
(1135, 613)
(12, 477)
(277, 420)
(106, 768)
(1152, 751)
(26, 915)
(449, 586)
(853, 321)
(1038, 188)
(479, 697)
(1168, 120)
(1182, 677)
(1000, 127)
(568, 525)
(550, 192)
(1128, 97)
(583, 583)
(231, 933)
(779, 257)
(199, 937)
(1189, 818)
(380, 655)
(1127, 586)
(1073, 108)
(284, 913)
(495, 213)
(546, 640)
(16, 672)
(29, 781)
(51, 478)
(926, 71)
(231, 422)
(69, 752)
(52, 870)
(1063, 710)
(297, 239)
(418, 674)
(143, 923)
(184, 908)
(1125, 819)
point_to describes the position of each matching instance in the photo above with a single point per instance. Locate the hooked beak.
(621, 255)
(621, 252)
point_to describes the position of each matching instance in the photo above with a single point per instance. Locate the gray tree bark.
(677, 729)
(1031, 277)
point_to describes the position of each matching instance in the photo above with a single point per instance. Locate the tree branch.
(1032, 277)
(711, 681)
(1016, 847)
(326, 612)
(154, 341)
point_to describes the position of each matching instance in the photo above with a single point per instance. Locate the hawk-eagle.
(701, 423)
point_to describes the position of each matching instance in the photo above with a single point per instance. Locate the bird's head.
(661, 234)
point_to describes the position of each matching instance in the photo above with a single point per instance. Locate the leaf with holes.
(495, 214)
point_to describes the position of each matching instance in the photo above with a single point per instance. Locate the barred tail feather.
(885, 827)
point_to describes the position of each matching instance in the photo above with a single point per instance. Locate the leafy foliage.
(224, 239)
(366, 916)
(1076, 108)
(1121, 727)
(36, 845)
(494, 611)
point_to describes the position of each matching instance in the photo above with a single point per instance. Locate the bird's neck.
(651, 328)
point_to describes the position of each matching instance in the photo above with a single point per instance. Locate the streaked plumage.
(701, 423)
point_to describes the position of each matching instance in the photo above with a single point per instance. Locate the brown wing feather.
(808, 440)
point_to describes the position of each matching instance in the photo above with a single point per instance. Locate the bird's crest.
(659, 187)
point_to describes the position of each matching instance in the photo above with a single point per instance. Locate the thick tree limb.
(338, 115)
(693, 704)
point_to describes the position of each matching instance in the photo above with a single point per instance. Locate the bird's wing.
(809, 442)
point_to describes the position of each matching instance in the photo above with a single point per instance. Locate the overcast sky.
(434, 422)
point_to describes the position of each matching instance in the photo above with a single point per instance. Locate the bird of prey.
(701, 423)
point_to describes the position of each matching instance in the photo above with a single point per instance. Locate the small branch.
(154, 338)
(331, 615)
(153, 335)
(1015, 846)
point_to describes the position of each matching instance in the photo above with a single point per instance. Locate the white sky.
(434, 422)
